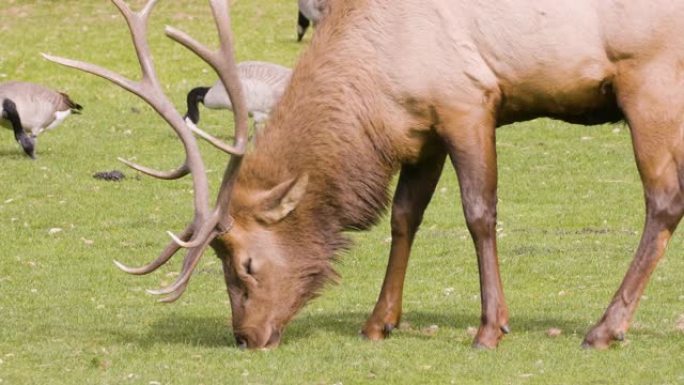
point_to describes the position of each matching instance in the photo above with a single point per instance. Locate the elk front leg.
(470, 139)
(654, 111)
(414, 191)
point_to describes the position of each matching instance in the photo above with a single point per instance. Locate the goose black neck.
(195, 96)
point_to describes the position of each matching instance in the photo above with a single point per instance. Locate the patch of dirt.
(114, 175)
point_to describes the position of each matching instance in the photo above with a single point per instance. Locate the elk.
(409, 103)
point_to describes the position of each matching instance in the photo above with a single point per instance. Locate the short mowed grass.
(570, 214)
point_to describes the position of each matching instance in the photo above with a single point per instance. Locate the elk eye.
(248, 267)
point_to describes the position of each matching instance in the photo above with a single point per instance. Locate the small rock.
(554, 332)
(55, 230)
(471, 331)
(430, 330)
(680, 323)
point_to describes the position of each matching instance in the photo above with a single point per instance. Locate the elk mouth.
(267, 340)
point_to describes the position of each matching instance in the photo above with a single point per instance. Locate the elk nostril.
(241, 341)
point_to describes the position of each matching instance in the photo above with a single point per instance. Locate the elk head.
(264, 288)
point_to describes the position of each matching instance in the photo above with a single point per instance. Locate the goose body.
(262, 83)
(310, 11)
(28, 109)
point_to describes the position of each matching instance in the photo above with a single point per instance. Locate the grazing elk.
(371, 98)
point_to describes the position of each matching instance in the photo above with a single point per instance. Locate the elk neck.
(332, 124)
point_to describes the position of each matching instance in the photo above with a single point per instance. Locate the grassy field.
(570, 214)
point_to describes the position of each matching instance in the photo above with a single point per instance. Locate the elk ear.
(282, 199)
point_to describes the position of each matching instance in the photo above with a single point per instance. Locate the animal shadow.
(216, 332)
(177, 329)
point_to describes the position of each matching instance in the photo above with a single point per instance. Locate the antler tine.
(178, 173)
(223, 62)
(233, 150)
(164, 257)
(137, 24)
(228, 71)
(189, 263)
(201, 232)
(175, 295)
(104, 73)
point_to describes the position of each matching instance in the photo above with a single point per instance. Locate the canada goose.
(262, 83)
(29, 109)
(310, 11)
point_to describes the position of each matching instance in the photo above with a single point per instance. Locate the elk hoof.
(595, 343)
(477, 345)
(600, 338)
(387, 330)
(373, 334)
(488, 336)
(505, 329)
(376, 331)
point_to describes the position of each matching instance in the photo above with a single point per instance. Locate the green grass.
(570, 214)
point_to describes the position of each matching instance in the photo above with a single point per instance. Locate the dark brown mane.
(341, 146)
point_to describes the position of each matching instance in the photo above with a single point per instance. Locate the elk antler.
(178, 173)
(207, 223)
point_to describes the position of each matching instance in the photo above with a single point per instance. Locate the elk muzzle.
(266, 338)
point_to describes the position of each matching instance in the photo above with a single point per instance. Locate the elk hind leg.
(655, 113)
